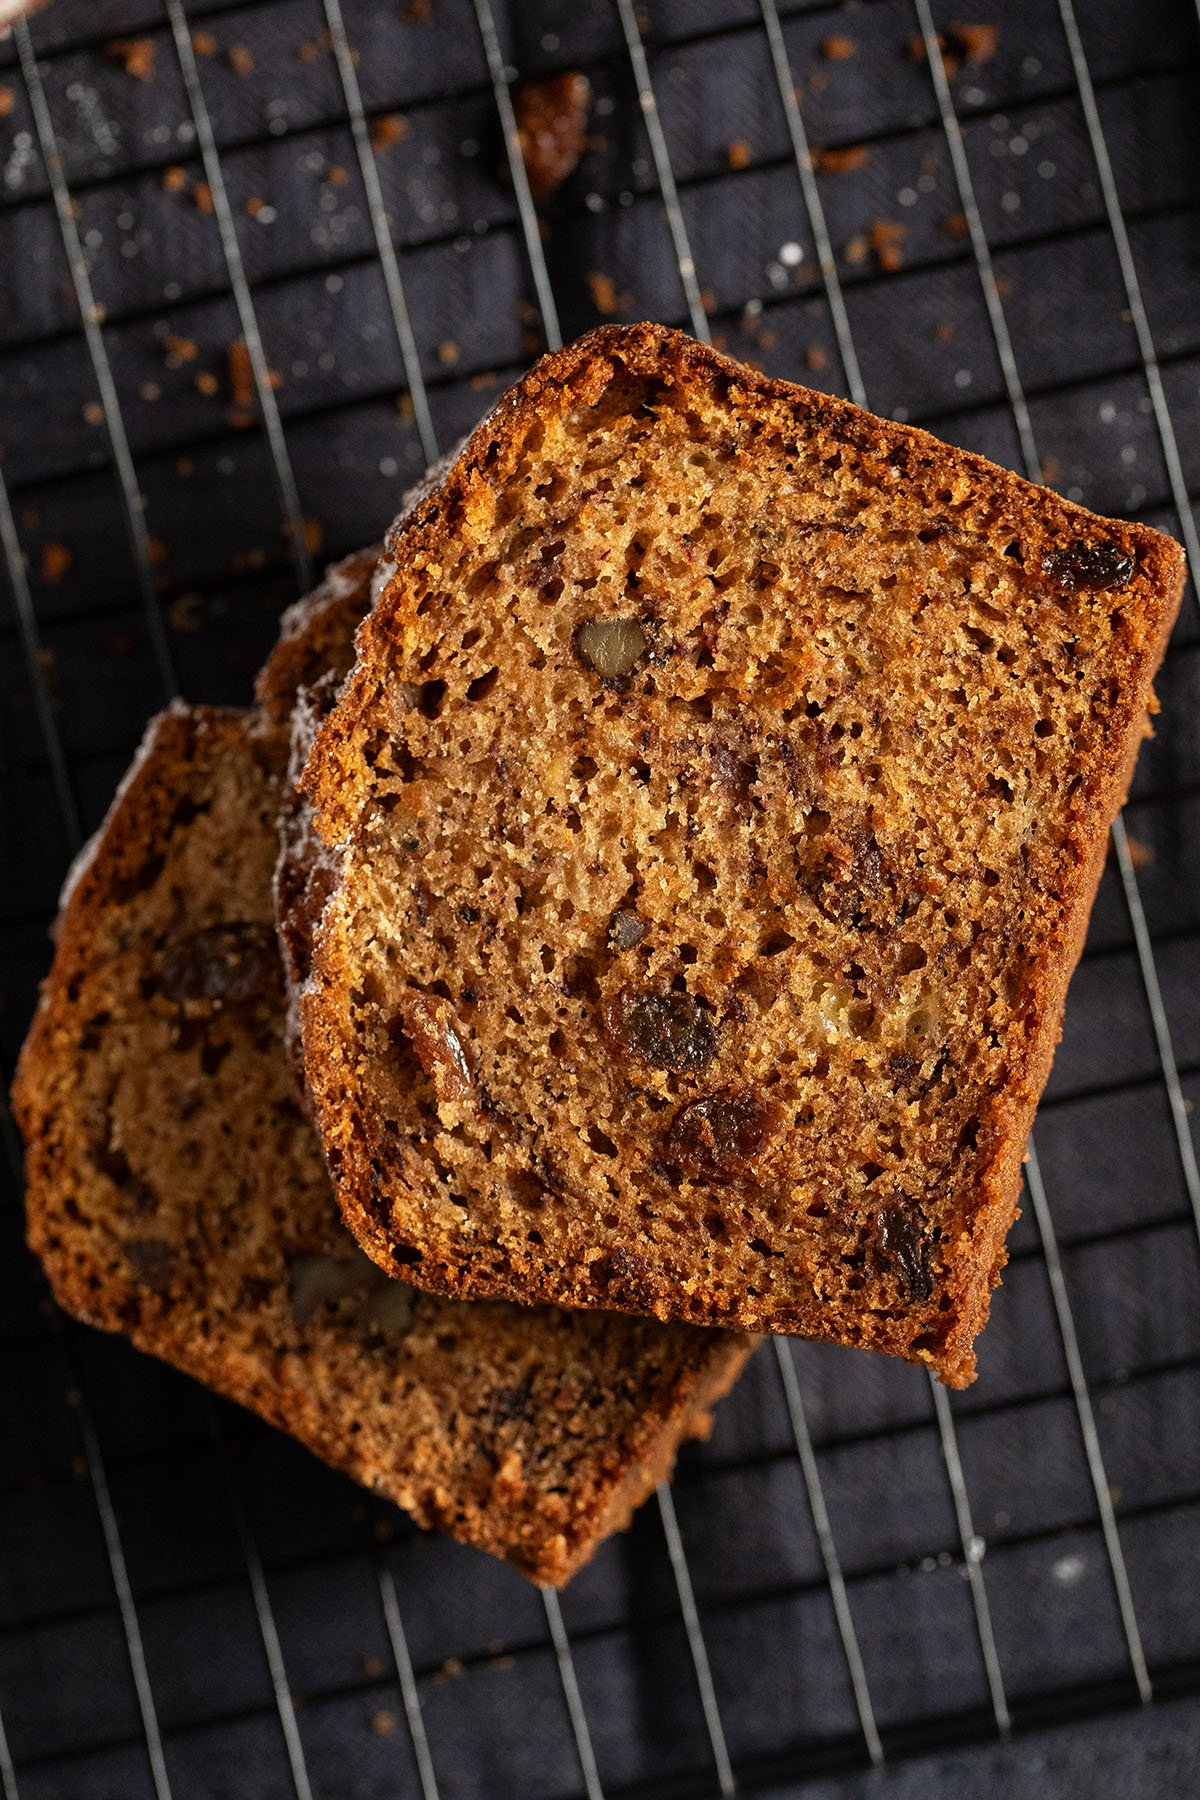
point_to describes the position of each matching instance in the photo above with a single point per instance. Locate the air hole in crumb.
(775, 943)
(481, 687)
(871, 1171)
(557, 1044)
(432, 695)
(601, 1143)
(548, 958)
(910, 957)
(1043, 728)
(714, 1224)
(687, 953)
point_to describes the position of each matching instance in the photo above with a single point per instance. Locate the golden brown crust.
(313, 633)
(175, 1193)
(1082, 638)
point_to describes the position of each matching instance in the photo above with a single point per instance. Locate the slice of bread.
(719, 793)
(176, 1193)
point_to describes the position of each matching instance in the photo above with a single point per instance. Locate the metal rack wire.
(711, 1764)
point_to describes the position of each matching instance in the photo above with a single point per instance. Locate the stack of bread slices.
(636, 915)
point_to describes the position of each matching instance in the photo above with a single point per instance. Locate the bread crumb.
(135, 55)
(857, 250)
(202, 198)
(419, 11)
(815, 358)
(254, 206)
(388, 129)
(1140, 855)
(7, 101)
(840, 162)
(240, 60)
(93, 413)
(916, 49)
(336, 176)
(944, 331)
(954, 225)
(552, 126)
(313, 536)
(383, 1723)
(174, 179)
(204, 43)
(448, 352)
(183, 614)
(372, 1667)
(603, 290)
(156, 550)
(737, 154)
(976, 43)
(885, 238)
(207, 383)
(54, 561)
(837, 49)
(150, 390)
(450, 1670)
(486, 378)
(182, 349)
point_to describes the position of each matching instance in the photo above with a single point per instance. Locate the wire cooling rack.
(257, 263)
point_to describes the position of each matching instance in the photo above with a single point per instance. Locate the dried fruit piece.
(1096, 566)
(612, 647)
(552, 126)
(723, 1135)
(389, 1306)
(227, 964)
(668, 1031)
(906, 1250)
(152, 1261)
(432, 1030)
(317, 1280)
(626, 930)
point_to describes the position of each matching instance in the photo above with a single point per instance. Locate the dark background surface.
(141, 1523)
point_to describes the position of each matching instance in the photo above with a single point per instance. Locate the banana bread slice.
(176, 1193)
(719, 796)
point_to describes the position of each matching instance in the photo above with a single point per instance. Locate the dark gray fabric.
(486, 1673)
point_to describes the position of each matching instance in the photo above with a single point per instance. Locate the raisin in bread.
(718, 799)
(176, 1193)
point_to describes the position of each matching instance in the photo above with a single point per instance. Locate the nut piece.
(626, 930)
(552, 126)
(1094, 566)
(225, 964)
(612, 647)
(668, 1031)
(723, 1135)
(905, 1250)
(431, 1028)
